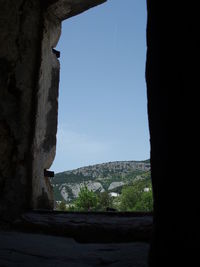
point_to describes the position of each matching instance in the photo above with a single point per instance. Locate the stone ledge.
(89, 227)
(64, 9)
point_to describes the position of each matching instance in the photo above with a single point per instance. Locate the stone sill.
(89, 227)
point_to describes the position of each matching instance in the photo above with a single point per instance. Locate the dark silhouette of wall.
(20, 41)
(172, 85)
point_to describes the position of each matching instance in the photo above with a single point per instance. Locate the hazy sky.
(102, 98)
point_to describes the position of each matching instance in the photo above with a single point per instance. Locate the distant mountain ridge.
(110, 176)
(111, 167)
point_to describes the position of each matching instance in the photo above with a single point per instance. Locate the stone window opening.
(31, 156)
(85, 226)
(68, 71)
(28, 123)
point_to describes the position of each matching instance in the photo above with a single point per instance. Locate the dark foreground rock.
(89, 226)
(30, 250)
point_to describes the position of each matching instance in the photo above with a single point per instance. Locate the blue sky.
(102, 98)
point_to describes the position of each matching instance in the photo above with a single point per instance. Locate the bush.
(134, 198)
(145, 203)
(87, 200)
(104, 201)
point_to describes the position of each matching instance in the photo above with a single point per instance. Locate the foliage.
(87, 200)
(145, 203)
(91, 201)
(128, 198)
(105, 174)
(105, 200)
(135, 198)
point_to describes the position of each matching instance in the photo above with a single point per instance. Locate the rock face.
(29, 78)
(114, 185)
(47, 250)
(44, 143)
(20, 39)
(75, 189)
(120, 167)
(99, 178)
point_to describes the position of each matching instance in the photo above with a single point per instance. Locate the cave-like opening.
(102, 103)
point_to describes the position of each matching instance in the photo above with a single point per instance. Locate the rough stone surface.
(20, 25)
(44, 144)
(30, 250)
(64, 9)
(29, 78)
(91, 226)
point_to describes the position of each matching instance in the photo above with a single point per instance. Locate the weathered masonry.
(29, 80)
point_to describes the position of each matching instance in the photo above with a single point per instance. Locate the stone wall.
(29, 81)
(44, 144)
(172, 75)
(20, 23)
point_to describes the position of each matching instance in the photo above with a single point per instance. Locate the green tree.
(104, 201)
(145, 203)
(134, 198)
(128, 198)
(87, 200)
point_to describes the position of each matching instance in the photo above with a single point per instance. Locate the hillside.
(111, 177)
